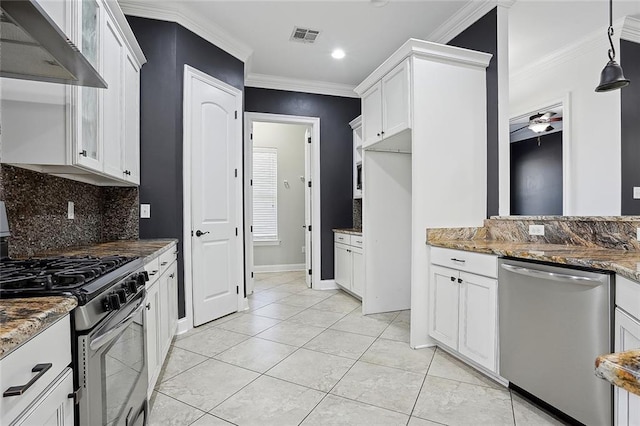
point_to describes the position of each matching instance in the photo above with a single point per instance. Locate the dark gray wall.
(536, 176)
(336, 156)
(630, 121)
(483, 36)
(168, 46)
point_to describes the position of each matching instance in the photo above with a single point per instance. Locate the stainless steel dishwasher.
(554, 322)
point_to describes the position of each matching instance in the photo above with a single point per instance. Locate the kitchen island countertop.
(21, 319)
(352, 231)
(621, 369)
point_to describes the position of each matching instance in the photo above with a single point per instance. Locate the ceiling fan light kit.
(611, 77)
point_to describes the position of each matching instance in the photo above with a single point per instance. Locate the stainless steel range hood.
(35, 48)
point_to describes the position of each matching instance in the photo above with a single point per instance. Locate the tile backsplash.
(357, 213)
(37, 204)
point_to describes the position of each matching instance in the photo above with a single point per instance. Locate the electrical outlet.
(145, 211)
(536, 229)
(636, 192)
(71, 214)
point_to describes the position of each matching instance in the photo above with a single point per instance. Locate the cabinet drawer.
(167, 258)
(342, 238)
(628, 295)
(54, 406)
(356, 240)
(53, 346)
(477, 263)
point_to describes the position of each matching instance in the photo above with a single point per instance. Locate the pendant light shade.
(611, 77)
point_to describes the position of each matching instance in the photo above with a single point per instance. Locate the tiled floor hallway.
(300, 356)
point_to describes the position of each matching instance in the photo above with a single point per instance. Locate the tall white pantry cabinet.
(427, 169)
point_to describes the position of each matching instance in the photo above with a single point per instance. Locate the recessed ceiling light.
(337, 54)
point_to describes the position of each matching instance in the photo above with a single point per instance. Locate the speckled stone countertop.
(621, 369)
(352, 231)
(22, 319)
(146, 249)
(623, 262)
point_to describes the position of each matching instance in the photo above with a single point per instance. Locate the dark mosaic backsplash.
(357, 213)
(36, 206)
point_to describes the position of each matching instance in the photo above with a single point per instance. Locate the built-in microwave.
(359, 177)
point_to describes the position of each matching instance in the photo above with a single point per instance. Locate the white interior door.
(215, 146)
(307, 206)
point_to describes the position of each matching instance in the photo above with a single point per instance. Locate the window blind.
(265, 194)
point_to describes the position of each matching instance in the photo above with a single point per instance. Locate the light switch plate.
(536, 229)
(145, 211)
(636, 192)
(71, 213)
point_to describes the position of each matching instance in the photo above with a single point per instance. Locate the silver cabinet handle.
(19, 390)
(163, 263)
(458, 260)
(574, 279)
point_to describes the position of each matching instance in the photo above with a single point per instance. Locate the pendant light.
(611, 77)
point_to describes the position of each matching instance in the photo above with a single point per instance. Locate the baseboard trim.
(279, 268)
(183, 326)
(326, 285)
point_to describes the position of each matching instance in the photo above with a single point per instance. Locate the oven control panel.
(120, 293)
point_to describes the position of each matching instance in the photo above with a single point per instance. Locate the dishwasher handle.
(573, 279)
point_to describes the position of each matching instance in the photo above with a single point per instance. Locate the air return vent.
(304, 35)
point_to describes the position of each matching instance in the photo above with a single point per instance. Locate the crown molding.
(205, 29)
(631, 29)
(597, 40)
(264, 81)
(464, 18)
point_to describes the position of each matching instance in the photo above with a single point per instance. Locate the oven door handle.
(103, 338)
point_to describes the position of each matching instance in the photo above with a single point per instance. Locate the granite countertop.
(352, 231)
(146, 249)
(623, 262)
(22, 319)
(621, 369)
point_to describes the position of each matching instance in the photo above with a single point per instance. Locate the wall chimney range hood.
(35, 48)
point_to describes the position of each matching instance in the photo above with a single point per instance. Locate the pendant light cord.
(612, 51)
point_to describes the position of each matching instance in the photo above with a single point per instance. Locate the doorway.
(282, 196)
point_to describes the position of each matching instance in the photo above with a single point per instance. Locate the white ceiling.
(258, 31)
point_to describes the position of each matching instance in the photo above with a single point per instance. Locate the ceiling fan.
(540, 122)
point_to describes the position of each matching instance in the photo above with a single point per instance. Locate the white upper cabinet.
(81, 133)
(385, 106)
(356, 126)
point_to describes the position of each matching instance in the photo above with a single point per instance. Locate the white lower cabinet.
(41, 367)
(348, 263)
(161, 314)
(627, 337)
(463, 311)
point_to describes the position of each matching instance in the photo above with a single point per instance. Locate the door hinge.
(251, 136)
(251, 227)
(236, 232)
(251, 182)
(309, 271)
(309, 184)
(309, 139)
(236, 172)
(236, 114)
(237, 289)
(192, 232)
(309, 228)
(252, 275)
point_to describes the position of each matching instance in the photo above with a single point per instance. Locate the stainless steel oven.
(113, 371)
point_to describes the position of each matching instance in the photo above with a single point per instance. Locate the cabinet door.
(173, 299)
(165, 314)
(343, 265)
(88, 151)
(372, 115)
(357, 283)
(396, 115)
(131, 120)
(54, 407)
(443, 305)
(627, 337)
(151, 322)
(478, 319)
(112, 100)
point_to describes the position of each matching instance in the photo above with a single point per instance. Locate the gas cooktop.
(59, 275)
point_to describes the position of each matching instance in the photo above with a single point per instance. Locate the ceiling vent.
(304, 35)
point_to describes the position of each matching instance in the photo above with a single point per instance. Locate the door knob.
(199, 233)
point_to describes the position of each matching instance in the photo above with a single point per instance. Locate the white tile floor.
(300, 356)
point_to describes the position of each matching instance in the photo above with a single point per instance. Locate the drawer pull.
(359, 241)
(41, 369)
(458, 260)
(163, 263)
(459, 280)
(453, 278)
(172, 275)
(152, 273)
